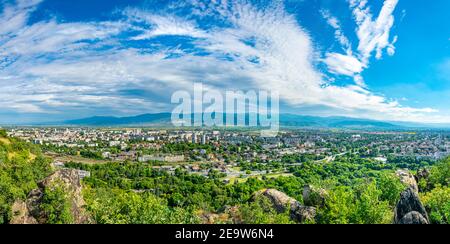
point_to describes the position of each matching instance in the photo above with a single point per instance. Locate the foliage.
(21, 166)
(125, 207)
(437, 203)
(440, 173)
(361, 205)
(56, 205)
(390, 188)
(91, 154)
(261, 211)
(358, 190)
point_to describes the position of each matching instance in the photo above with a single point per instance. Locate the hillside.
(21, 167)
(31, 192)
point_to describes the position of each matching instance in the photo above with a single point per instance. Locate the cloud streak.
(132, 65)
(373, 35)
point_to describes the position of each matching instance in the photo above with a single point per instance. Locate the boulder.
(422, 174)
(413, 218)
(409, 206)
(408, 179)
(282, 202)
(21, 214)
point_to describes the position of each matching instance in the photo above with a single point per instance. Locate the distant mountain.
(334, 122)
(159, 118)
(290, 120)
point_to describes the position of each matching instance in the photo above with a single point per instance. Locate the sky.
(378, 59)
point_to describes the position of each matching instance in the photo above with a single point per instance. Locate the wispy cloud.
(374, 33)
(125, 66)
(373, 36)
(338, 32)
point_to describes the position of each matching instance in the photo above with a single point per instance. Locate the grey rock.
(409, 202)
(413, 218)
(408, 179)
(282, 202)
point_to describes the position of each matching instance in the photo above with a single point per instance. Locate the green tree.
(56, 206)
(390, 187)
(121, 207)
(261, 211)
(437, 203)
(440, 173)
(369, 208)
(339, 207)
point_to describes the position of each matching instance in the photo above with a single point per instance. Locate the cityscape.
(200, 151)
(252, 118)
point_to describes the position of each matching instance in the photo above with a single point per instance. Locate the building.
(163, 158)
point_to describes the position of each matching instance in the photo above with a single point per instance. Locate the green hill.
(22, 165)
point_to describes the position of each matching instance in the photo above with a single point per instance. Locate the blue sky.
(380, 59)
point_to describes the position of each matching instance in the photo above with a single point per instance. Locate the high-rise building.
(204, 139)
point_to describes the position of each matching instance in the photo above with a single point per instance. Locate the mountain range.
(286, 120)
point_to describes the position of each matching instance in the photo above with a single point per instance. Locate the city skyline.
(383, 60)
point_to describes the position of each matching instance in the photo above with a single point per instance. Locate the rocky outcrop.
(408, 179)
(313, 196)
(413, 218)
(409, 209)
(29, 212)
(282, 202)
(21, 214)
(423, 174)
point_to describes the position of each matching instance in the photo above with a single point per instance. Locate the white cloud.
(343, 64)
(161, 25)
(15, 16)
(374, 33)
(339, 34)
(262, 48)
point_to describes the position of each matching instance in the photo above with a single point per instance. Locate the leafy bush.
(437, 203)
(261, 211)
(390, 188)
(361, 205)
(56, 206)
(122, 207)
(21, 166)
(440, 173)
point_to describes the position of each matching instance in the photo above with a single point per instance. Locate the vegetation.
(359, 205)
(21, 166)
(437, 203)
(56, 206)
(440, 174)
(356, 190)
(126, 207)
(261, 211)
(437, 199)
